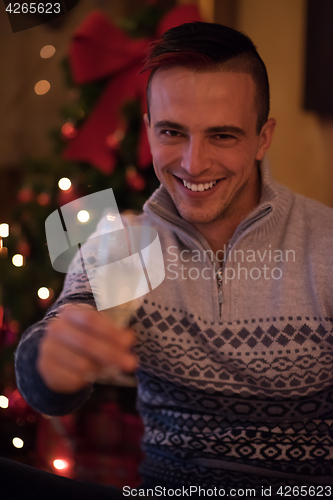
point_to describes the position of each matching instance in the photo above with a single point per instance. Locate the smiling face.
(203, 131)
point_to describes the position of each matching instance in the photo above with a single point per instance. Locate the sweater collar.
(274, 201)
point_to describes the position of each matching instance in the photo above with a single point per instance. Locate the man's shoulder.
(314, 212)
(311, 224)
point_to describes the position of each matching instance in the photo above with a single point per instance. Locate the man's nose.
(195, 157)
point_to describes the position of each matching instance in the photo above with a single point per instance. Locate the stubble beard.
(198, 215)
(225, 209)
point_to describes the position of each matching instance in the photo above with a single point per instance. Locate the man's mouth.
(199, 186)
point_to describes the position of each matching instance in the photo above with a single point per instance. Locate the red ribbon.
(99, 49)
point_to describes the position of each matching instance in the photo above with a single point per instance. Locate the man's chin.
(197, 218)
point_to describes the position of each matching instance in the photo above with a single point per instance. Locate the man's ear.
(265, 138)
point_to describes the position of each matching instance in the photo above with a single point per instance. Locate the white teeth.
(199, 187)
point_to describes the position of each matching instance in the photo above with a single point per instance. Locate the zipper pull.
(220, 293)
(220, 301)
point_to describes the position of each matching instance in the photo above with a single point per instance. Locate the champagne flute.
(118, 277)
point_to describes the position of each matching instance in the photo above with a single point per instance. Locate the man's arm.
(30, 384)
(59, 357)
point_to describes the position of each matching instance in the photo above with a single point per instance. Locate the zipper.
(219, 287)
(236, 239)
(250, 225)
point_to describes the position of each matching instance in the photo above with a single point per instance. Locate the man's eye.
(224, 136)
(170, 133)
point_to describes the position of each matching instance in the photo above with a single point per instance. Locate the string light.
(68, 130)
(3, 250)
(18, 442)
(42, 87)
(43, 293)
(60, 464)
(4, 402)
(18, 260)
(43, 198)
(4, 230)
(83, 216)
(47, 51)
(64, 183)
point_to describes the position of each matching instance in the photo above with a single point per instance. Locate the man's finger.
(92, 321)
(101, 350)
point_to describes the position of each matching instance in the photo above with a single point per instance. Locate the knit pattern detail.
(256, 392)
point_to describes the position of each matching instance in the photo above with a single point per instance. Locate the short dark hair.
(210, 46)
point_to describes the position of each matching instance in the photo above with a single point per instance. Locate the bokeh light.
(4, 402)
(47, 51)
(60, 464)
(4, 230)
(18, 260)
(43, 293)
(64, 183)
(83, 216)
(18, 442)
(42, 87)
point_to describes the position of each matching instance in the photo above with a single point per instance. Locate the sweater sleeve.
(76, 290)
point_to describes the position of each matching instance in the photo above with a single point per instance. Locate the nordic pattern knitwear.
(240, 398)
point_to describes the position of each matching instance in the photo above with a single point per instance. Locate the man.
(234, 348)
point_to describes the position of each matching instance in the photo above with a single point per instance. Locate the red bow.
(99, 49)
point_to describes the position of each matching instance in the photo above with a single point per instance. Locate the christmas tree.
(101, 144)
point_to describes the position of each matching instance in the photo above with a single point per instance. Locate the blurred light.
(18, 260)
(111, 217)
(14, 326)
(47, 51)
(4, 402)
(4, 230)
(83, 216)
(3, 250)
(42, 87)
(64, 183)
(18, 443)
(60, 464)
(68, 130)
(43, 198)
(43, 293)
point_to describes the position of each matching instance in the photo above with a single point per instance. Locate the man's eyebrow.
(226, 129)
(169, 124)
(223, 129)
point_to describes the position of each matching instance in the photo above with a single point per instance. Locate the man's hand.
(79, 345)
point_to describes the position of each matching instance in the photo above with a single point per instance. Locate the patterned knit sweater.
(237, 392)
